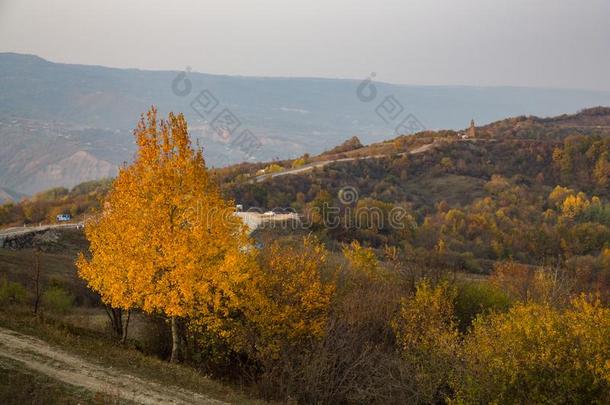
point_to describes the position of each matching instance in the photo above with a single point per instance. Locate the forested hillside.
(527, 189)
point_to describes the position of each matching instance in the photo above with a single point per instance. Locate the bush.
(428, 339)
(58, 300)
(288, 301)
(355, 361)
(535, 353)
(12, 293)
(474, 298)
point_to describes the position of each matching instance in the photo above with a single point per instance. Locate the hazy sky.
(545, 43)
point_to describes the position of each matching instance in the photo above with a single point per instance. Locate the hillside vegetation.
(491, 286)
(526, 189)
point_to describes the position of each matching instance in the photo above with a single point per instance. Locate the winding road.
(323, 163)
(9, 233)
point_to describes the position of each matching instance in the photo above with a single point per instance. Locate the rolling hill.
(61, 124)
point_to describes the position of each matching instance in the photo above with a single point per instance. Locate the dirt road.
(317, 165)
(39, 356)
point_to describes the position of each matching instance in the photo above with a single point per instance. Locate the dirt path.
(39, 356)
(317, 165)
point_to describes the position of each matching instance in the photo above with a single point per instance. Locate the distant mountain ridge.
(61, 124)
(9, 195)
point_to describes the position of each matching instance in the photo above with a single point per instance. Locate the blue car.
(63, 217)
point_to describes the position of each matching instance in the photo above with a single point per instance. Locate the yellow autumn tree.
(601, 173)
(574, 205)
(289, 296)
(166, 241)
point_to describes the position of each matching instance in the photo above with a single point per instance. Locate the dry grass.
(100, 349)
(22, 386)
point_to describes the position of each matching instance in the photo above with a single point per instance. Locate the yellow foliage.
(601, 172)
(538, 354)
(559, 194)
(166, 241)
(426, 322)
(273, 168)
(455, 222)
(574, 205)
(365, 268)
(298, 163)
(289, 298)
(427, 336)
(447, 163)
(361, 259)
(557, 155)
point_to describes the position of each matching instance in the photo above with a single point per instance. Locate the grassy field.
(454, 189)
(56, 265)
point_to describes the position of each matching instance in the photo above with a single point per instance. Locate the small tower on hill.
(472, 132)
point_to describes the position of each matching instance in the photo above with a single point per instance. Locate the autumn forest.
(461, 269)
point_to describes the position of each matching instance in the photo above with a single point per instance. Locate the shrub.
(355, 361)
(273, 168)
(289, 300)
(474, 298)
(428, 338)
(11, 292)
(56, 299)
(298, 163)
(537, 354)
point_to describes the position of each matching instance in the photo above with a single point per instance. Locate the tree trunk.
(126, 327)
(37, 282)
(116, 320)
(184, 346)
(175, 341)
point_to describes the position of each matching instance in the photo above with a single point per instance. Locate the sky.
(538, 43)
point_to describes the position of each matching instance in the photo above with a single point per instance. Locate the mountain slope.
(534, 190)
(36, 155)
(7, 195)
(49, 111)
